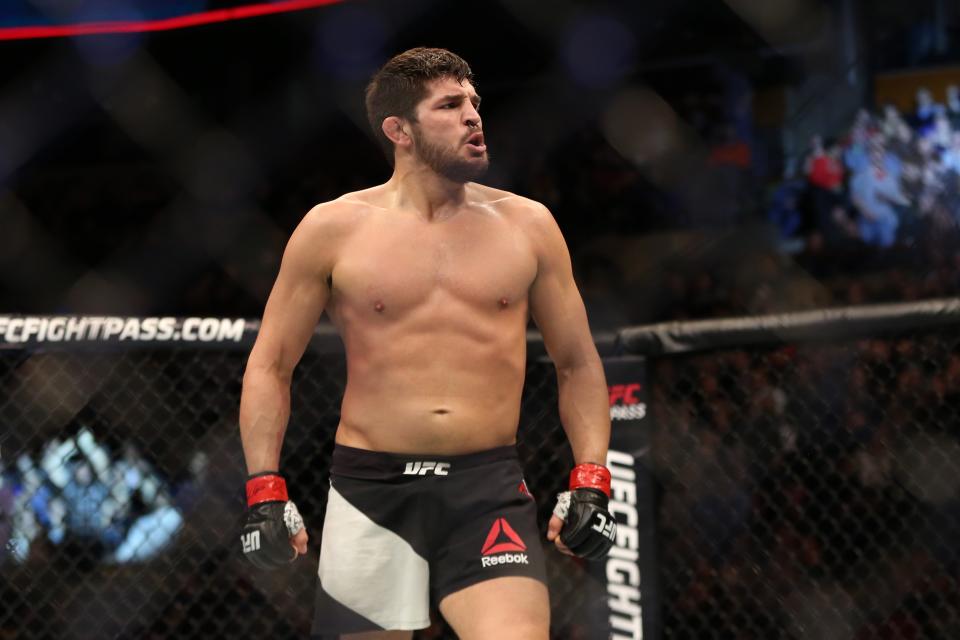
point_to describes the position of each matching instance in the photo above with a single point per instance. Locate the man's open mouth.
(476, 142)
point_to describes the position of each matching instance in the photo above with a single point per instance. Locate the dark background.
(163, 172)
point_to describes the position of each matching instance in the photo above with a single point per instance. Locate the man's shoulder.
(335, 216)
(323, 230)
(347, 207)
(511, 204)
(532, 218)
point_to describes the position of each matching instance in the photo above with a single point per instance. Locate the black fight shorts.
(404, 531)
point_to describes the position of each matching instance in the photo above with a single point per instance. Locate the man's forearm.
(585, 410)
(264, 412)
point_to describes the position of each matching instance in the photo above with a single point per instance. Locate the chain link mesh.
(806, 491)
(811, 491)
(123, 490)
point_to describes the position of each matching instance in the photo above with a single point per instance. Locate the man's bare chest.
(397, 268)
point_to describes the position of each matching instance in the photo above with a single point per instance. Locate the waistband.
(381, 465)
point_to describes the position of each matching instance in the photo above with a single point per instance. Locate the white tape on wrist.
(563, 505)
(291, 518)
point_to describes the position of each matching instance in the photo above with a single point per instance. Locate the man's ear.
(396, 129)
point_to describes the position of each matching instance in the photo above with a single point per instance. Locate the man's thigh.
(379, 635)
(509, 608)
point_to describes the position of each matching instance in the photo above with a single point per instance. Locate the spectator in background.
(913, 157)
(900, 141)
(823, 168)
(826, 207)
(6, 516)
(84, 496)
(941, 132)
(951, 157)
(875, 191)
(825, 174)
(930, 203)
(925, 112)
(953, 106)
(856, 156)
(950, 180)
(892, 121)
(151, 532)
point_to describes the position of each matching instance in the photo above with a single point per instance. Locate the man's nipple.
(378, 307)
(504, 303)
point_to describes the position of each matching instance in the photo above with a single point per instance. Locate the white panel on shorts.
(372, 570)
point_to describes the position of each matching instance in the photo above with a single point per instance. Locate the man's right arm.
(291, 313)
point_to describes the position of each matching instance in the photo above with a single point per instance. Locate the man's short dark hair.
(397, 88)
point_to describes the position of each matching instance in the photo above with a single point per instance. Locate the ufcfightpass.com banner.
(27, 331)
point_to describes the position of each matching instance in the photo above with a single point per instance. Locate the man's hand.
(582, 525)
(273, 532)
(553, 534)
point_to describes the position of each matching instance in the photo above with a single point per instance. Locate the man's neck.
(418, 187)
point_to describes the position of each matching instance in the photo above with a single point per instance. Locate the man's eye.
(449, 105)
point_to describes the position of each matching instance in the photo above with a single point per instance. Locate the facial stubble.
(448, 163)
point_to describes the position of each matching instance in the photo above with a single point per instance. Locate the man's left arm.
(558, 310)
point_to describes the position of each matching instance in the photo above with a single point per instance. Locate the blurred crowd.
(811, 492)
(869, 216)
(82, 502)
(890, 179)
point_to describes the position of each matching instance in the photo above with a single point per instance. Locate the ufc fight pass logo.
(624, 404)
(422, 468)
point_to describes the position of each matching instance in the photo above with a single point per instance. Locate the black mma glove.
(589, 529)
(272, 519)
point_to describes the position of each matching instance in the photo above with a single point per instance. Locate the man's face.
(448, 135)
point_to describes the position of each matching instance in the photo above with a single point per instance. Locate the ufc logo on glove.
(589, 528)
(250, 541)
(606, 526)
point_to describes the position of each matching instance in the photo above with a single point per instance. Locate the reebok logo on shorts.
(422, 468)
(501, 540)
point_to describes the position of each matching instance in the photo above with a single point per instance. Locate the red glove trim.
(266, 488)
(593, 476)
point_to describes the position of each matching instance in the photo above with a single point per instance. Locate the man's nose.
(471, 118)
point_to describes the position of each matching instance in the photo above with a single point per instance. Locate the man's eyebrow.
(458, 96)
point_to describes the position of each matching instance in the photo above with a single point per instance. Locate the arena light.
(28, 32)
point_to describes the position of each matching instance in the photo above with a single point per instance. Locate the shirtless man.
(430, 279)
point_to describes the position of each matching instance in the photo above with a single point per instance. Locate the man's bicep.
(555, 302)
(293, 309)
(559, 313)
